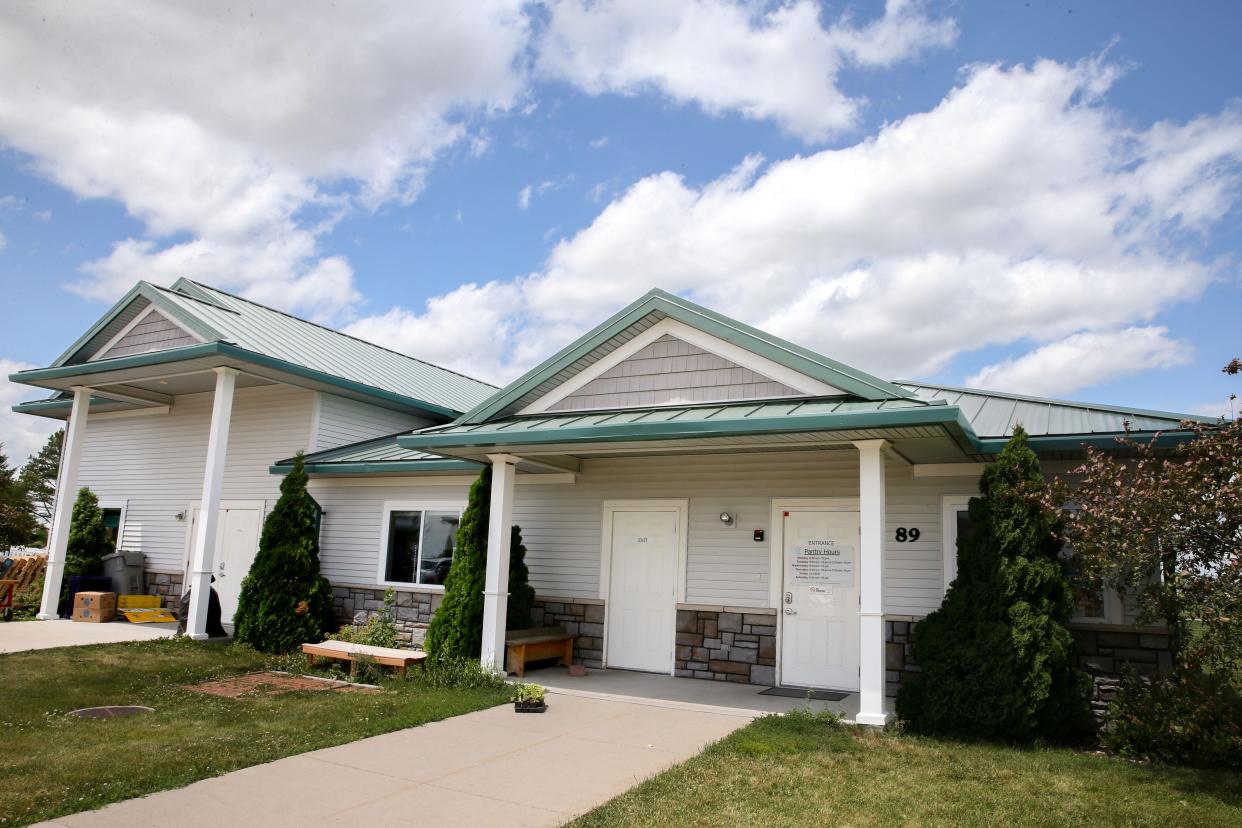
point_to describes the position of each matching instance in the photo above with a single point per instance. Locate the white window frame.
(950, 506)
(123, 506)
(423, 506)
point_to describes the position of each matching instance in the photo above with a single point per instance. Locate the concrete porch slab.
(19, 636)
(682, 693)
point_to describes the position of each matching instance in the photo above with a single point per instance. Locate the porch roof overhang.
(152, 379)
(920, 432)
(379, 456)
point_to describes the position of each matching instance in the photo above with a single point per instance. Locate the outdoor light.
(726, 518)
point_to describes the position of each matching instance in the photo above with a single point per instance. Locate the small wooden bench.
(348, 651)
(536, 643)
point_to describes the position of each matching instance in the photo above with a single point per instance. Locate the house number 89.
(904, 535)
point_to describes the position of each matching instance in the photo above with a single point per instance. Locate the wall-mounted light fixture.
(179, 516)
(727, 519)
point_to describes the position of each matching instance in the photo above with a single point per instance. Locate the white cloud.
(599, 143)
(523, 200)
(4, 242)
(1227, 408)
(777, 63)
(21, 434)
(249, 130)
(1021, 208)
(1084, 359)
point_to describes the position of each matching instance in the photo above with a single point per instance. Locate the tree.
(456, 629)
(17, 524)
(39, 477)
(997, 658)
(88, 537)
(284, 601)
(1166, 528)
(521, 593)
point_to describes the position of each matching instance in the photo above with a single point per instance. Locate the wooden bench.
(536, 643)
(348, 651)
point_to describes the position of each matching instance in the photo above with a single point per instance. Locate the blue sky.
(1035, 197)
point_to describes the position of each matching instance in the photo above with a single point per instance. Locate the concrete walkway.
(17, 636)
(494, 767)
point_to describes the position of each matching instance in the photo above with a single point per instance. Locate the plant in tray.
(529, 698)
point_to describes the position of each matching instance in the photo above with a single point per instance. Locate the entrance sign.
(822, 561)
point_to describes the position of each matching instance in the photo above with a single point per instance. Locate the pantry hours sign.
(823, 561)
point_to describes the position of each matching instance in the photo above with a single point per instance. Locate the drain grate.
(111, 711)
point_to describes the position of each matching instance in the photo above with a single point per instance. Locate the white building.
(697, 497)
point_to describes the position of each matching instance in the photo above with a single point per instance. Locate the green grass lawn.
(795, 770)
(54, 764)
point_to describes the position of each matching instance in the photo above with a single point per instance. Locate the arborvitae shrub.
(997, 658)
(88, 537)
(521, 593)
(456, 629)
(284, 600)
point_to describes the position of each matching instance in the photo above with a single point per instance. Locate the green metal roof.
(994, 414)
(376, 456)
(219, 317)
(650, 309)
(695, 421)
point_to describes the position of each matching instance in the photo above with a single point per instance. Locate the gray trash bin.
(127, 572)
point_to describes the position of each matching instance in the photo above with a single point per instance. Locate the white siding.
(562, 524)
(156, 462)
(155, 332)
(343, 421)
(671, 371)
(350, 538)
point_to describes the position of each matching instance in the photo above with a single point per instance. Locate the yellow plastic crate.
(125, 602)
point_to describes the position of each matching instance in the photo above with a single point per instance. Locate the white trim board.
(682, 507)
(687, 333)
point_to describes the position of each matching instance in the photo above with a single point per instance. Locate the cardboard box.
(94, 606)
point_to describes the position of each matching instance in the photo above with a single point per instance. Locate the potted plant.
(529, 698)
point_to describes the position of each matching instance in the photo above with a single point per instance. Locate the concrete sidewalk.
(493, 767)
(18, 636)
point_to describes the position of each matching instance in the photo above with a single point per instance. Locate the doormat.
(274, 684)
(803, 693)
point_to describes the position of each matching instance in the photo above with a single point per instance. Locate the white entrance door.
(819, 599)
(237, 541)
(642, 590)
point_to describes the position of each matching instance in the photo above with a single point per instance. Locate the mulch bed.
(270, 683)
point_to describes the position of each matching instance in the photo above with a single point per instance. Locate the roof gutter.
(381, 467)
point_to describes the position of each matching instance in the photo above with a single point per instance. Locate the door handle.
(789, 611)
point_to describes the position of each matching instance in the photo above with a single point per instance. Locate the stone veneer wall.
(726, 644)
(167, 586)
(582, 619)
(356, 605)
(1102, 652)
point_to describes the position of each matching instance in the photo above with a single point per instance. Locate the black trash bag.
(214, 628)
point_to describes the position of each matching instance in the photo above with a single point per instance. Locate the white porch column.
(871, 501)
(66, 494)
(496, 589)
(201, 557)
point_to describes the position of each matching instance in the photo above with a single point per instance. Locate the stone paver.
(493, 767)
(18, 636)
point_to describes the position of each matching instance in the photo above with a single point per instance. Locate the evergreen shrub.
(284, 601)
(996, 658)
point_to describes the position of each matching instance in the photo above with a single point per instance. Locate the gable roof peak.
(584, 351)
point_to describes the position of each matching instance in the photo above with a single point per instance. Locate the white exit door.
(642, 589)
(819, 599)
(237, 541)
